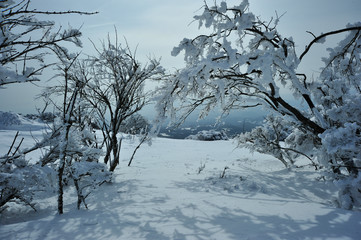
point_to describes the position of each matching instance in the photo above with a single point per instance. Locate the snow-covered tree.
(25, 41)
(209, 135)
(73, 147)
(244, 62)
(135, 124)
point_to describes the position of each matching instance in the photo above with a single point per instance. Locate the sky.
(154, 27)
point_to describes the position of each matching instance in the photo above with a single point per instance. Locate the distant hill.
(230, 127)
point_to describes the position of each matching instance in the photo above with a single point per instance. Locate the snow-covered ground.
(174, 190)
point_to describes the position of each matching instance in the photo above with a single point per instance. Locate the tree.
(25, 42)
(115, 91)
(25, 39)
(73, 148)
(244, 62)
(135, 124)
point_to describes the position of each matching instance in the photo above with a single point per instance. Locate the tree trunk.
(107, 154)
(116, 151)
(61, 168)
(60, 186)
(80, 195)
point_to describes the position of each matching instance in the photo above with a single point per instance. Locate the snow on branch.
(19, 47)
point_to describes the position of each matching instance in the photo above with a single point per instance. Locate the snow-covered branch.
(19, 47)
(244, 61)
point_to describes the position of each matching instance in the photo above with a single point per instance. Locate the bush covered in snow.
(46, 117)
(135, 124)
(20, 181)
(209, 135)
(9, 118)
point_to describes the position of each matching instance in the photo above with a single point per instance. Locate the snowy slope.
(14, 121)
(173, 190)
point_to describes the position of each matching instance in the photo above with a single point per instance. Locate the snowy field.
(180, 189)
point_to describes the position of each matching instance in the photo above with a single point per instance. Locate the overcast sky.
(156, 26)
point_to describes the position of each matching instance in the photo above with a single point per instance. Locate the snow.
(174, 190)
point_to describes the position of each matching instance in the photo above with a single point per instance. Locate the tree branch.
(325, 35)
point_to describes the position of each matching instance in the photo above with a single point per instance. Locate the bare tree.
(116, 91)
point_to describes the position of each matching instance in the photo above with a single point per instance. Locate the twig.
(224, 172)
(136, 149)
(17, 148)
(311, 34)
(12, 144)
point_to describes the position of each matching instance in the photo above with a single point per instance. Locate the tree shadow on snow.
(210, 208)
(300, 202)
(248, 225)
(194, 222)
(285, 184)
(110, 216)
